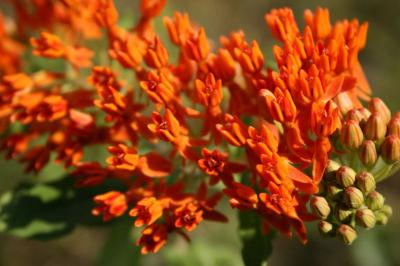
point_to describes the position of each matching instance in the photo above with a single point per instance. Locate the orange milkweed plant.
(290, 143)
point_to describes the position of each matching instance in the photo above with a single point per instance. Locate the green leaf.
(119, 249)
(46, 211)
(256, 247)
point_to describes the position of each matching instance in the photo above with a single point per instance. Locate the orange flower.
(156, 55)
(188, 216)
(179, 28)
(197, 47)
(147, 210)
(151, 8)
(153, 238)
(124, 158)
(111, 205)
(158, 87)
(48, 45)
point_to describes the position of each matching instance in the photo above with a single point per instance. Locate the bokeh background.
(218, 244)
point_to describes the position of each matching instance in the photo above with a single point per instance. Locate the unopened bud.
(375, 128)
(330, 171)
(365, 218)
(375, 200)
(381, 218)
(325, 228)
(368, 154)
(386, 209)
(365, 113)
(346, 233)
(320, 207)
(343, 213)
(351, 134)
(390, 149)
(377, 105)
(356, 115)
(353, 197)
(396, 115)
(394, 127)
(334, 192)
(345, 176)
(365, 182)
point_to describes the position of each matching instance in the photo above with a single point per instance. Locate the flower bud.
(346, 234)
(356, 115)
(386, 209)
(368, 155)
(330, 171)
(377, 105)
(351, 134)
(334, 192)
(390, 149)
(381, 218)
(353, 197)
(325, 228)
(343, 213)
(394, 127)
(365, 182)
(375, 200)
(365, 114)
(396, 115)
(345, 176)
(375, 128)
(365, 218)
(320, 207)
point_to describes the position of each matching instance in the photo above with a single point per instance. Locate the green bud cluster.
(348, 200)
(370, 139)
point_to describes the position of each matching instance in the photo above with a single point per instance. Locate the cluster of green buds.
(370, 140)
(367, 150)
(348, 200)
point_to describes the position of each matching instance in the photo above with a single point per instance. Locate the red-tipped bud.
(356, 115)
(365, 182)
(351, 134)
(394, 127)
(377, 105)
(390, 149)
(375, 128)
(368, 154)
(353, 197)
(320, 207)
(325, 228)
(345, 176)
(346, 233)
(365, 218)
(375, 200)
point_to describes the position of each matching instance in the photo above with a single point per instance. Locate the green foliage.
(46, 211)
(257, 247)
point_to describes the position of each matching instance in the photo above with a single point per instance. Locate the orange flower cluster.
(197, 113)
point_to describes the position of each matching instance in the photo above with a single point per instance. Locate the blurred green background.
(218, 244)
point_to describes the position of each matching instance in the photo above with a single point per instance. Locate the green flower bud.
(365, 218)
(375, 128)
(330, 171)
(351, 134)
(386, 209)
(377, 105)
(345, 176)
(365, 182)
(394, 127)
(375, 200)
(343, 213)
(381, 218)
(368, 155)
(325, 228)
(390, 149)
(356, 115)
(353, 197)
(334, 192)
(320, 207)
(346, 233)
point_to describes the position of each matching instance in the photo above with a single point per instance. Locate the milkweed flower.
(273, 136)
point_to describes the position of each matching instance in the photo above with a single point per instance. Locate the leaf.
(256, 247)
(46, 211)
(119, 249)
